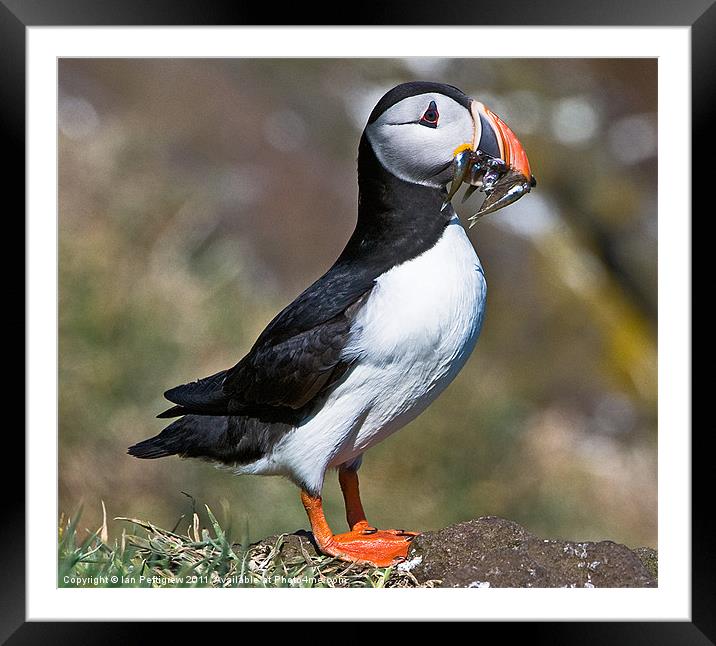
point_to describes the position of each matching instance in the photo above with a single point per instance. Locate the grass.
(148, 556)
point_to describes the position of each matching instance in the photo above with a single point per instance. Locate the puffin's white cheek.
(413, 153)
(416, 153)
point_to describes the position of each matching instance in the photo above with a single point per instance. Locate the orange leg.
(363, 544)
(348, 479)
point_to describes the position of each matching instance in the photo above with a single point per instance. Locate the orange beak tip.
(512, 151)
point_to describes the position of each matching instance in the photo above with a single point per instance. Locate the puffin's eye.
(431, 116)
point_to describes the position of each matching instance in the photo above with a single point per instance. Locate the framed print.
(192, 179)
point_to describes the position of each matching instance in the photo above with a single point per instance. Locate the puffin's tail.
(189, 436)
(202, 397)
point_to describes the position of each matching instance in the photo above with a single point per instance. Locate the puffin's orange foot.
(370, 546)
(364, 544)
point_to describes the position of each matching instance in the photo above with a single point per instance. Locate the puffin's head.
(431, 133)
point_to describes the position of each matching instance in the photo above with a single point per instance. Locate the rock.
(650, 559)
(498, 553)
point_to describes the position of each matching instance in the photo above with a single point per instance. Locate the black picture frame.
(17, 15)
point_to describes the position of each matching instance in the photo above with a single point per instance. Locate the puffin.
(370, 344)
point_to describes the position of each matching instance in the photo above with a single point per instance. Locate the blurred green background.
(199, 197)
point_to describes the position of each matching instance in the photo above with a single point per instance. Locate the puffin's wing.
(295, 358)
(291, 371)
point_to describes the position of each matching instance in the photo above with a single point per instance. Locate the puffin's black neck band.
(397, 220)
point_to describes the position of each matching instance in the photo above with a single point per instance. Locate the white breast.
(424, 309)
(415, 333)
(411, 337)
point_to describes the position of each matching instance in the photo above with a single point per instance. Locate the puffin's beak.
(494, 162)
(493, 130)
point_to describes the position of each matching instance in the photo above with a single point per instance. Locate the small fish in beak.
(505, 178)
(502, 186)
(461, 166)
